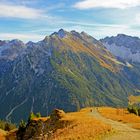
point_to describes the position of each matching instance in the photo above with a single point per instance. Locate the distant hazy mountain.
(123, 46)
(66, 70)
(11, 49)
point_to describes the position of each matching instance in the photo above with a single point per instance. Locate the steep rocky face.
(66, 70)
(9, 50)
(123, 46)
(127, 49)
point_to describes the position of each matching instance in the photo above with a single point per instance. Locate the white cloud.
(23, 37)
(137, 19)
(120, 4)
(18, 11)
(102, 30)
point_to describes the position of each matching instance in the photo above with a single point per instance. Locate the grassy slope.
(2, 134)
(121, 115)
(84, 127)
(75, 125)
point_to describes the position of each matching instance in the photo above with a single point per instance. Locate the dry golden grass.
(120, 115)
(2, 134)
(11, 135)
(136, 125)
(41, 118)
(82, 127)
(2, 137)
(5, 135)
(105, 58)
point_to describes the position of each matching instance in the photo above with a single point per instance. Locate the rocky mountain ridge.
(123, 46)
(66, 70)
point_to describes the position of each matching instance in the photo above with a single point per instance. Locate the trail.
(124, 132)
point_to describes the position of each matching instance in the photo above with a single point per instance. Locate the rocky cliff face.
(42, 129)
(127, 49)
(123, 46)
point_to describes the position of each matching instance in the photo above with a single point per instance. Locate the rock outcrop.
(38, 129)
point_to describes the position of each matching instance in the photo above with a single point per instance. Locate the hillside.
(66, 70)
(124, 46)
(100, 123)
(126, 49)
(64, 126)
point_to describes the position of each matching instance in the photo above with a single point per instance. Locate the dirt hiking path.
(124, 132)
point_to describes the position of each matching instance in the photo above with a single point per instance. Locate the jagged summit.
(61, 33)
(126, 36)
(121, 35)
(11, 42)
(123, 46)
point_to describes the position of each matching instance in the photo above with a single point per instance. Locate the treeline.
(7, 126)
(134, 109)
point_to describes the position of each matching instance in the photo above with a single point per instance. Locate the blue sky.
(34, 19)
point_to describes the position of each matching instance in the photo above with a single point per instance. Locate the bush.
(7, 126)
(22, 124)
(32, 116)
(38, 115)
(139, 111)
(134, 109)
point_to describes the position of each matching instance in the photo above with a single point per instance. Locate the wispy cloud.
(120, 4)
(23, 37)
(18, 11)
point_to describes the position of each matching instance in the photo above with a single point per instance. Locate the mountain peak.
(84, 33)
(61, 33)
(121, 35)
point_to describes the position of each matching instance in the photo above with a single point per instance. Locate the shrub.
(139, 111)
(134, 109)
(22, 124)
(31, 116)
(38, 115)
(7, 126)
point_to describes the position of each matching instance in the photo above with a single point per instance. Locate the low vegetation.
(32, 116)
(134, 109)
(82, 127)
(122, 115)
(7, 126)
(64, 126)
(134, 99)
(7, 130)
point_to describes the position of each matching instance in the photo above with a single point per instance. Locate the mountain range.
(123, 46)
(126, 49)
(67, 70)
